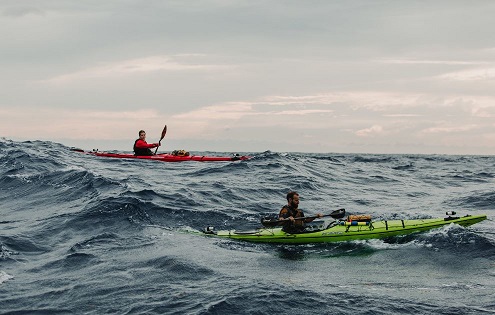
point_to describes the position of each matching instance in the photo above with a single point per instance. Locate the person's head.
(142, 134)
(293, 198)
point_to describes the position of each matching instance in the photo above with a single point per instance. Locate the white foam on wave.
(380, 244)
(4, 276)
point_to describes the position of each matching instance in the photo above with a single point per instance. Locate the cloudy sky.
(368, 76)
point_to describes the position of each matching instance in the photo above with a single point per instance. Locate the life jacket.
(141, 151)
(292, 227)
(291, 212)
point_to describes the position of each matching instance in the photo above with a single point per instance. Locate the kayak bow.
(339, 231)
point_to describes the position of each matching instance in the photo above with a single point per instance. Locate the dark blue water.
(88, 235)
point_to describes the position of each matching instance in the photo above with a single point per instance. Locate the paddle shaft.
(164, 131)
(335, 213)
(302, 218)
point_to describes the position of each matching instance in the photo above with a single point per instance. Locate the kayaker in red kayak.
(141, 147)
(292, 211)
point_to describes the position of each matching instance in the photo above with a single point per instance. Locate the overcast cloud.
(312, 76)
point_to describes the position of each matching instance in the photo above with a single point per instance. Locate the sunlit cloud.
(142, 114)
(20, 11)
(480, 74)
(227, 111)
(300, 112)
(357, 104)
(373, 130)
(136, 66)
(78, 124)
(432, 62)
(402, 115)
(236, 111)
(449, 129)
(373, 100)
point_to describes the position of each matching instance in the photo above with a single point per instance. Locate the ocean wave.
(16, 244)
(80, 232)
(482, 200)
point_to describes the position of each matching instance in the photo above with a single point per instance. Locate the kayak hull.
(171, 158)
(339, 232)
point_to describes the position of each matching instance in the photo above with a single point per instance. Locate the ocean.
(81, 234)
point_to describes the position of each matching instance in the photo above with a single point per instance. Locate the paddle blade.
(270, 221)
(338, 214)
(164, 131)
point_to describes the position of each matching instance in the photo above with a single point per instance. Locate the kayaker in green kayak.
(141, 147)
(292, 211)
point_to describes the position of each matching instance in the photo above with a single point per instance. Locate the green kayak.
(343, 230)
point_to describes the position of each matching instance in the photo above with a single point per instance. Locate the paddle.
(336, 214)
(164, 131)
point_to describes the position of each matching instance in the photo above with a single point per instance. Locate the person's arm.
(144, 145)
(319, 215)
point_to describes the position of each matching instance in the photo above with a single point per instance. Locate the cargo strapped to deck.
(359, 217)
(348, 224)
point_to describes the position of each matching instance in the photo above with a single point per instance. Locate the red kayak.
(167, 157)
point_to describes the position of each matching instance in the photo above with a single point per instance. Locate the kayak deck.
(166, 157)
(340, 231)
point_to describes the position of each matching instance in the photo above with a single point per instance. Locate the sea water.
(90, 235)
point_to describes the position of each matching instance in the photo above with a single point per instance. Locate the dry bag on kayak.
(180, 153)
(359, 217)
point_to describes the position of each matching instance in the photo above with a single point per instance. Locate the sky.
(354, 76)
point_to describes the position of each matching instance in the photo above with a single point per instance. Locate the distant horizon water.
(233, 146)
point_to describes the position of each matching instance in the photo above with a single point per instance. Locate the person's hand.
(157, 144)
(291, 218)
(319, 215)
